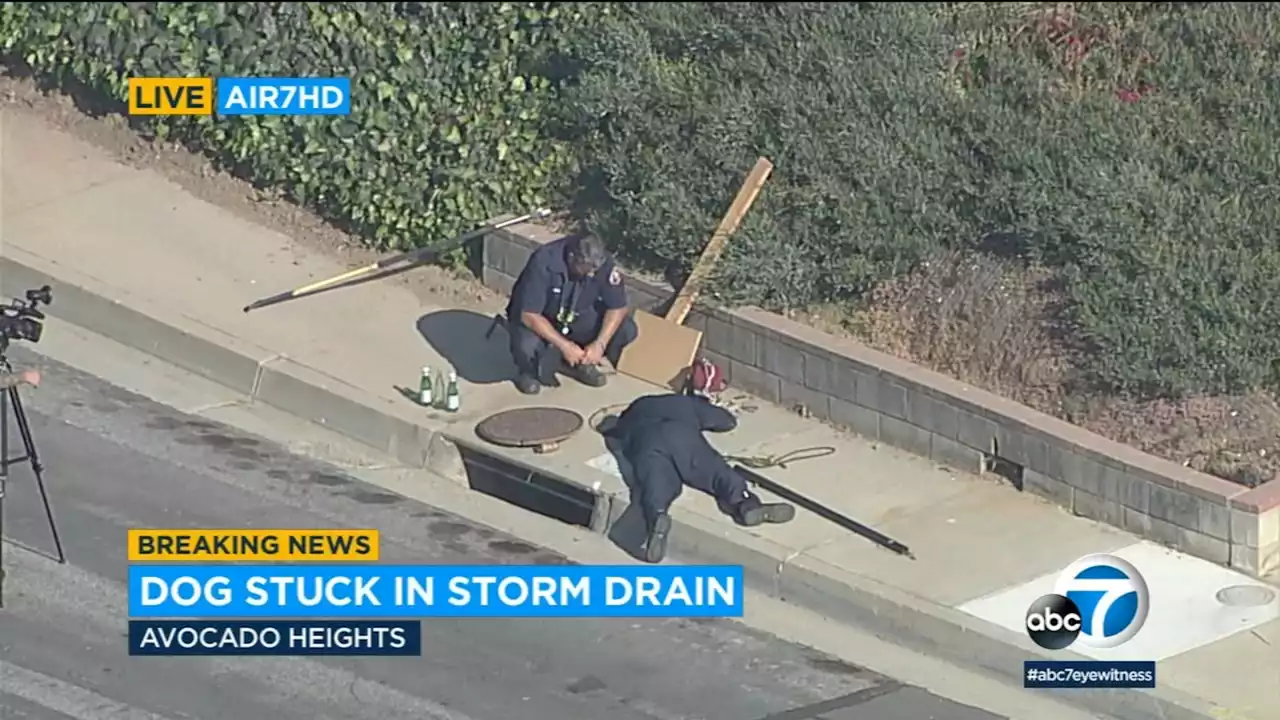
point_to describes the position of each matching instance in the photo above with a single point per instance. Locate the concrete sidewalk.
(137, 259)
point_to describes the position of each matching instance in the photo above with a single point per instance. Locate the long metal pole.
(825, 512)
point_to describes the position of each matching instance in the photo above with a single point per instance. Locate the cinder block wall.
(892, 401)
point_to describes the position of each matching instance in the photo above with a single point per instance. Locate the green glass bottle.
(452, 399)
(426, 398)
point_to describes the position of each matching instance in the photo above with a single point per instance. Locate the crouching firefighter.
(661, 437)
(570, 304)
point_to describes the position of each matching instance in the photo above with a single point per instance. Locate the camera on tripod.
(23, 320)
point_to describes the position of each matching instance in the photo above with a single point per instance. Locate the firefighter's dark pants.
(533, 355)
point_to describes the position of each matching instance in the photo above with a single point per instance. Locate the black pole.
(825, 512)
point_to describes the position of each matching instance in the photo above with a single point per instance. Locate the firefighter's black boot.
(752, 512)
(655, 549)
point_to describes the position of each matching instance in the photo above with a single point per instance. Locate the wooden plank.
(683, 302)
(661, 353)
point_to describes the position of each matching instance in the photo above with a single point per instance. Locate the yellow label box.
(181, 546)
(171, 96)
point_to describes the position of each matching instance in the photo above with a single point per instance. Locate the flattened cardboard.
(662, 352)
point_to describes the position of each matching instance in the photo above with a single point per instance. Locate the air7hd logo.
(1100, 601)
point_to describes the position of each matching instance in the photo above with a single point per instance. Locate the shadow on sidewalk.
(459, 337)
(86, 99)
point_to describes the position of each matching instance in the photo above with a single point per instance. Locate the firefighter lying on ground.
(661, 437)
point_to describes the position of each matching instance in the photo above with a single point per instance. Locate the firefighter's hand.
(31, 377)
(572, 354)
(593, 354)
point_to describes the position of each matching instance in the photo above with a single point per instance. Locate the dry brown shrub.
(1232, 437)
(987, 321)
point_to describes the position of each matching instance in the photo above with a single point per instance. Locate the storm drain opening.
(527, 488)
(1002, 467)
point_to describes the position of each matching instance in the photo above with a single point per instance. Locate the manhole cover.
(1246, 595)
(529, 427)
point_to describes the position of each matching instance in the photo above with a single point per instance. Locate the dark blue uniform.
(661, 436)
(575, 307)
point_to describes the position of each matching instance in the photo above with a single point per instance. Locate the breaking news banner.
(408, 591)
(231, 96)
(275, 637)
(1089, 674)
(281, 545)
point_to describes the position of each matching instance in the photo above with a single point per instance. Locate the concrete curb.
(311, 395)
(272, 378)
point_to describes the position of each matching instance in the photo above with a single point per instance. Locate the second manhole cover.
(1246, 596)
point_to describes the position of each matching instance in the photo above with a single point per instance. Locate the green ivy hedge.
(446, 112)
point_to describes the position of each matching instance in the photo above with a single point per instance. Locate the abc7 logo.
(1100, 601)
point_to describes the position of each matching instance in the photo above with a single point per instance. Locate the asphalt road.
(115, 460)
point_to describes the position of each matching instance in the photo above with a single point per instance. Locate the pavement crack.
(858, 697)
(782, 564)
(17, 216)
(200, 409)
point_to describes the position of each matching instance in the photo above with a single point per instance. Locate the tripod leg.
(4, 474)
(4, 481)
(29, 445)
